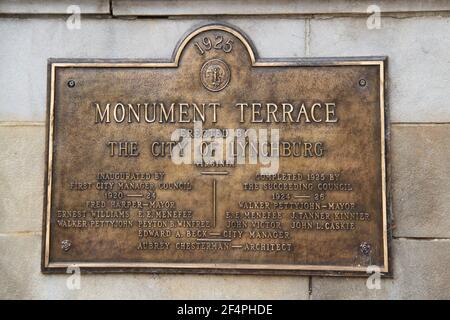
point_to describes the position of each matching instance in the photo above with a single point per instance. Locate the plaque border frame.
(217, 268)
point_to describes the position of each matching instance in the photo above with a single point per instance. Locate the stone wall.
(415, 35)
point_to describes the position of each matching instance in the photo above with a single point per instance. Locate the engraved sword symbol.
(214, 203)
(214, 191)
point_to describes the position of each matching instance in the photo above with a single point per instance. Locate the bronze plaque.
(217, 161)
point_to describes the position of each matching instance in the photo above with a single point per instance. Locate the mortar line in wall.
(387, 14)
(309, 287)
(307, 36)
(20, 233)
(51, 15)
(22, 123)
(422, 238)
(405, 124)
(318, 16)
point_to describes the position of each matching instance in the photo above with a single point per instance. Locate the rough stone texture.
(24, 63)
(418, 78)
(22, 178)
(420, 272)
(421, 180)
(52, 6)
(21, 278)
(256, 7)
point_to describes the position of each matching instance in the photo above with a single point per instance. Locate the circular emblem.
(215, 75)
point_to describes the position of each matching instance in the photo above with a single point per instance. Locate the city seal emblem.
(215, 75)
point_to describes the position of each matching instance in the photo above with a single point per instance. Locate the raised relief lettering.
(217, 160)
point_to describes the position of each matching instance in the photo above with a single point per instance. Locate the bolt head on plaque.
(215, 75)
(362, 82)
(71, 83)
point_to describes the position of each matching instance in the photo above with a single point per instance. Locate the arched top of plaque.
(214, 43)
(245, 44)
(254, 59)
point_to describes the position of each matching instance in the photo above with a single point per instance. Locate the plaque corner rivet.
(71, 83)
(362, 82)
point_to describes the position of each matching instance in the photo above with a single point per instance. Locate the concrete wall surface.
(415, 35)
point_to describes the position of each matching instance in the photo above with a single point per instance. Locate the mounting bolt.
(365, 248)
(71, 83)
(362, 82)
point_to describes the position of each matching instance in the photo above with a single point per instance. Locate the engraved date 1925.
(216, 42)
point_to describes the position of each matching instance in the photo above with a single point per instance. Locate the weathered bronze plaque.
(137, 182)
